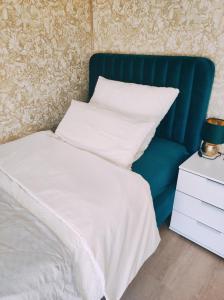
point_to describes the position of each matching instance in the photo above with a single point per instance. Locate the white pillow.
(149, 102)
(111, 135)
(134, 99)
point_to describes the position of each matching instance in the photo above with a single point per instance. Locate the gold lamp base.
(210, 150)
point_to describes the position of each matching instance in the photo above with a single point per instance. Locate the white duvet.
(101, 212)
(34, 263)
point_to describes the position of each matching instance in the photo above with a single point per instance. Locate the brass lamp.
(213, 136)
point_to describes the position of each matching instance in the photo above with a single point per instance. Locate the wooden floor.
(179, 270)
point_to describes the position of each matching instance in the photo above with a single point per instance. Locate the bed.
(61, 205)
(179, 134)
(61, 195)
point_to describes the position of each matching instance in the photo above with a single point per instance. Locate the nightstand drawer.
(201, 188)
(198, 232)
(199, 210)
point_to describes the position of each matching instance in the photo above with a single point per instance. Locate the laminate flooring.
(178, 270)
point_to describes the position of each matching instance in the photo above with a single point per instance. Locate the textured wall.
(192, 27)
(44, 49)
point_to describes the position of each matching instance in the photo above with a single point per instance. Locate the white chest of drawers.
(198, 212)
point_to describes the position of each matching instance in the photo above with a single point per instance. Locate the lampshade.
(213, 131)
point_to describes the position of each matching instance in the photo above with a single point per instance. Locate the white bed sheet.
(102, 212)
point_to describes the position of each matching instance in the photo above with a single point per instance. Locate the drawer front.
(199, 210)
(201, 188)
(198, 232)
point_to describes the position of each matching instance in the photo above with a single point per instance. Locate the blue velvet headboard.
(192, 75)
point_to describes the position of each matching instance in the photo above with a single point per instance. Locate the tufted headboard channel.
(193, 76)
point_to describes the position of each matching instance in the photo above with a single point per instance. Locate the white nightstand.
(198, 212)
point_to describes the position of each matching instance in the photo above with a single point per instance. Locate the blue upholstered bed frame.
(179, 134)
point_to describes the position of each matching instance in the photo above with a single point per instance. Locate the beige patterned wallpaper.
(45, 46)
(44, 49)
(192, 27)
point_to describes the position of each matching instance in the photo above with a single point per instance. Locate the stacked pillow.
(134, 99)
(104, 132)
(140, 100)
(120, 120)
